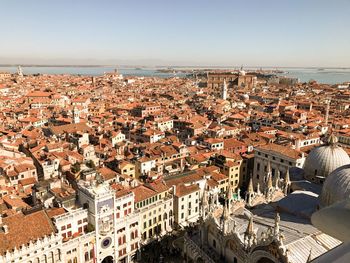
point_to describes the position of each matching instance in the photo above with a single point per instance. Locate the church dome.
(336, 187)
(324, 159)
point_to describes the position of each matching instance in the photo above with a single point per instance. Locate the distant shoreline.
(163, 67)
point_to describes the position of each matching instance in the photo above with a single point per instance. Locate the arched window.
(59, 254)
(86, 256)
(75, 260)
(214, 243)
(132, 235)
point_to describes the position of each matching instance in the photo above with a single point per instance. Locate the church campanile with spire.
(224, 91)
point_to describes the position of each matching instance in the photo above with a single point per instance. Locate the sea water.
(321, 75)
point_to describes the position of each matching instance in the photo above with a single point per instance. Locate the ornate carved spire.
(287, 182)
(287, 178)
(277, 225)
(250, 227)
(277, 179)
(229, 192)
(205, 202)
(250, 192)
(225, 212)
(249, 234)
(224, 217)
(269, 182)
(205, 196)
(269, 167)
(258, 189)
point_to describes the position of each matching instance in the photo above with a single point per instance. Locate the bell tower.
(76, 115)
(224, 91)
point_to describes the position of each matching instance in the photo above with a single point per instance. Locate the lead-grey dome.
(336, 187)
(324, 159)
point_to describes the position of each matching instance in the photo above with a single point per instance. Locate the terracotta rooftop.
(279, 149)
(24, 228)
(142, 193)
(182, 189)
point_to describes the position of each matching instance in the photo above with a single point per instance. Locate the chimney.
(5, 228)
(174, 190)
(297, 144)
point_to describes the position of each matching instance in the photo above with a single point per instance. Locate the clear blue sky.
(188, 32)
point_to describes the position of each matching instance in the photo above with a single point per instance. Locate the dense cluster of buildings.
(94, 168)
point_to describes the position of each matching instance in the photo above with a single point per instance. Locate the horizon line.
(163, 66)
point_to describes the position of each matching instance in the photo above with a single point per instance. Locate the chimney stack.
(5, 228)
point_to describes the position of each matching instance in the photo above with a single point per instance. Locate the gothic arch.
(261, 256)
(233, 249)
(108, 259)
(264, 260)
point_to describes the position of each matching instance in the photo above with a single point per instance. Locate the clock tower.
(99, 199)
